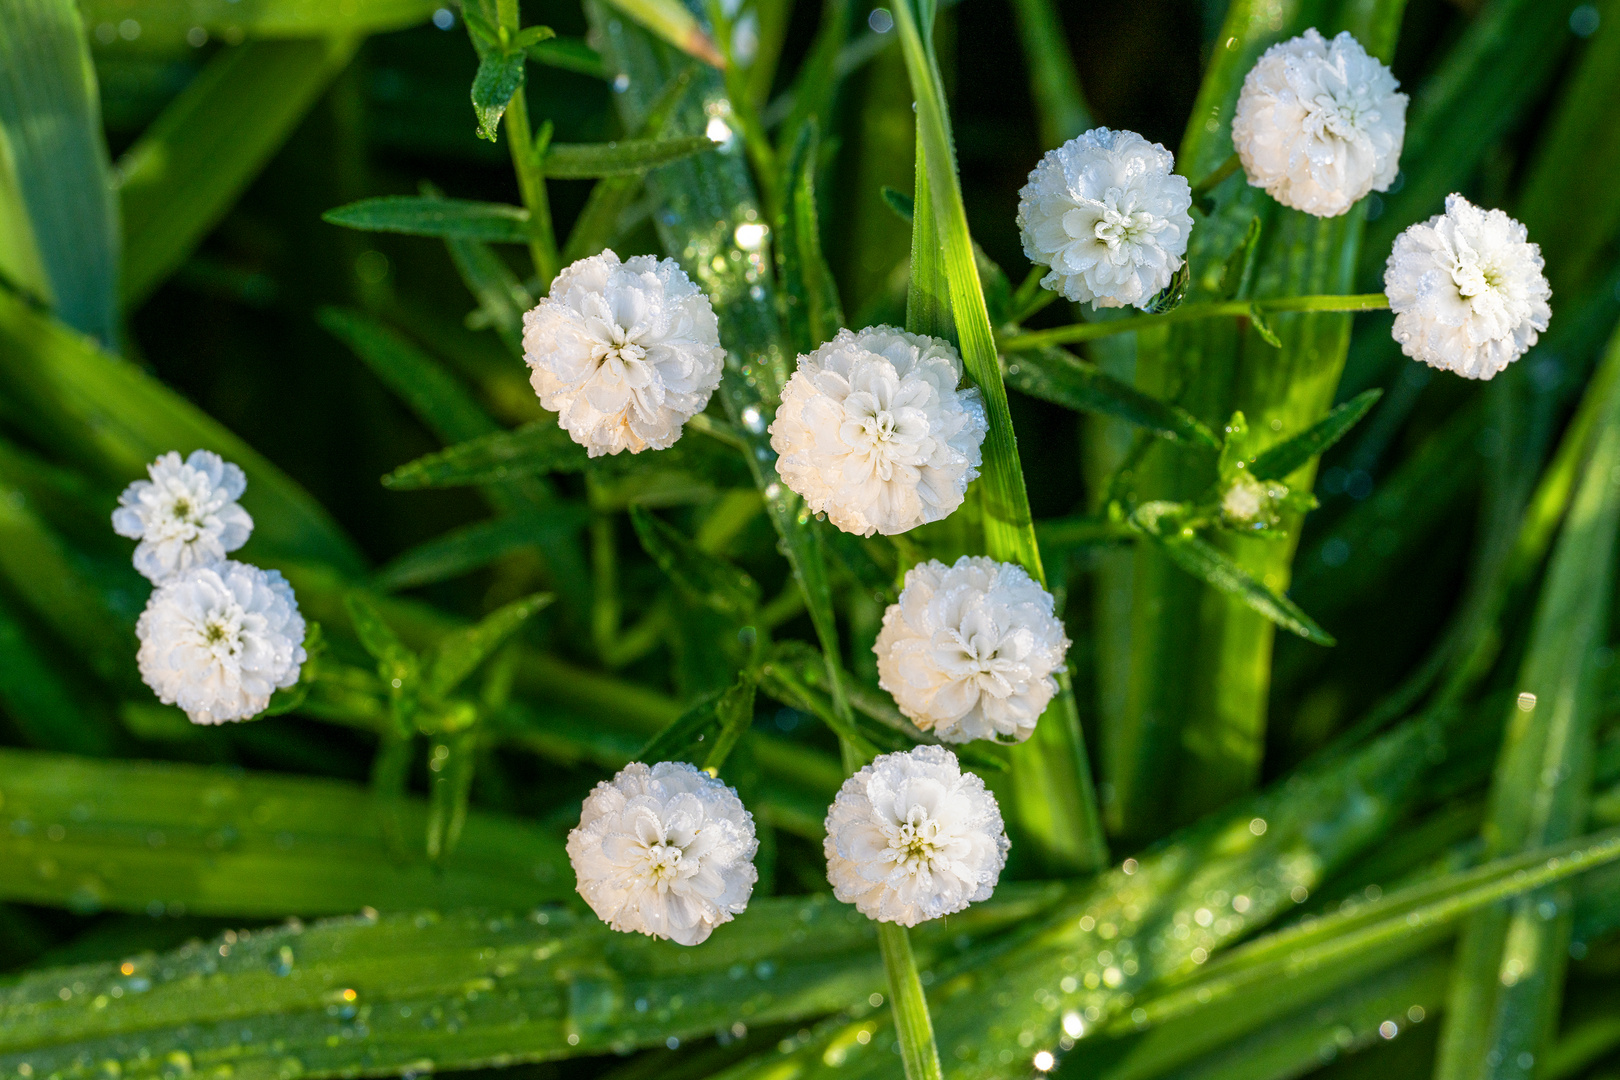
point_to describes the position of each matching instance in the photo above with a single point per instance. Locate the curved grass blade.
(417, 215)
(585, 161)
(223, 842)
(55, 162)
(1058, 376)
(197, 157)
(1276, 462)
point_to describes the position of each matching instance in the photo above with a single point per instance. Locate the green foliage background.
(1396, 855)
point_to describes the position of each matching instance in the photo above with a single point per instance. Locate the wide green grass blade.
(420, 215)
(136, 837)
(1056, 801)
(54, 164)
(457, 990)
(171, 23)
(189, 167)
(112, 418)
(1510, 968)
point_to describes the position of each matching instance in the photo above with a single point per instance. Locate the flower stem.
(526, 159)
(1213, 180)
(912, 1024)
(1212, 309)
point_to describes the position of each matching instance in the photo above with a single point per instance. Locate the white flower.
(970, 651)
(912, 837)
(1105, 212)
(624, 353)
(186, 515)
(873, 432)
(1467, 290)
(666, 851)
(1319, 124)
(219, 640)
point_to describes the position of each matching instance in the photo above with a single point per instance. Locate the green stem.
(758, 145)
(526, 159)
(912, 1024)
(1213, 180)
(1212, 309)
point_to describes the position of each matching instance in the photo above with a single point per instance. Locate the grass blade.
(457, 655)
(56, 166)
(585, 161)
(197, 157)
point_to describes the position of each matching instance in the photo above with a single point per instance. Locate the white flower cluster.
(666, 851)
(912, 837)
(1319, 124)
(218, 637)
(971, 651)
(624, 352)
(1467, 290)
(1108, 216)
(873, 432)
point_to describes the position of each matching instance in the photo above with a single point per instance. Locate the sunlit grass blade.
(495, 223)
(197, 157)
(212, 841)
(65, 247)
(1278, 461)
(1510, 963)
(1058, 376)
(675, 24)
(1056, 796)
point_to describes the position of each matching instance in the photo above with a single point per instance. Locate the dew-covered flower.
(873, 432)
(1467, 290)
(971, 651)
(624, 352)
(1108, 216)
(912, 837)
(666, 851)
(219, 640)
(1319, 124)
(186, 515)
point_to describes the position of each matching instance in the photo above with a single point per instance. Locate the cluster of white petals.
(624, 352)
(873, 432)
(666, 851)
(1319, 124)
(971, 651)
(219, 640)
(185, 516)
(1467, 290)
(912, 837)
(1108, 216)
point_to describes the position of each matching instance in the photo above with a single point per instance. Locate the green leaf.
(197, 157)
(812, 312)
(670, 20)
(597, 226)
(734, 713)
(397, 664)
(458, 654)
(450, 764)
(1215, 568)
(41, 700)
(431, 392)
(502, 298)
(1058, 376)
(1238, 272)
(1054, 82)
(1279, 461)
(707, 578)
(569, 54)
(902, 204)
(496, 223)
(500, 75)
(534, 449)
(582, 161)
(473, 547)
(166, 24)
(142, 836)
(56, 187)
(1171, 296)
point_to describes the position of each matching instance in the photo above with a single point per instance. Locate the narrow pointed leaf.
(532, 450)
(1277, 462)
(475, 546)
(458, 655)
(707, 578)
(811, 308)
(496, 223)
(583, 161)
(500, 75)
(1058, 376)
